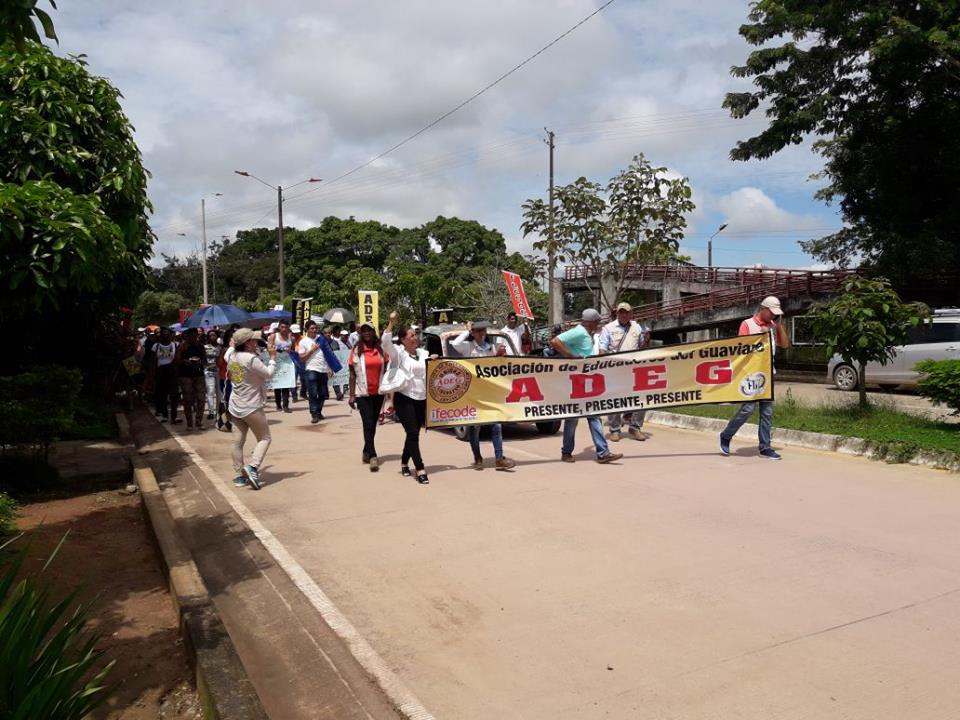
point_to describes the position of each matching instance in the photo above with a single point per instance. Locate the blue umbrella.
(216, 315)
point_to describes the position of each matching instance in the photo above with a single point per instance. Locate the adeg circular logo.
(449, 382)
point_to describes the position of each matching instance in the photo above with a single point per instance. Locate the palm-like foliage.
(47, 656)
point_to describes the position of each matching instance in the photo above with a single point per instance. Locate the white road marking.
(400, 695)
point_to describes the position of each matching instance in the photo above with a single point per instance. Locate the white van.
(939, 340)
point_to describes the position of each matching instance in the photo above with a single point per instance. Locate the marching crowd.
(222, 376)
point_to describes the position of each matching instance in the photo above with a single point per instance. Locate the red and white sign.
(517, 294)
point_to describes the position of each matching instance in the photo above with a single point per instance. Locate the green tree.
(158, 308)
(865, 323)
(878, 81)
(638, 218)
(74, 234)
(17, 22)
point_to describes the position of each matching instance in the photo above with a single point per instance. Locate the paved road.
(822, 393)
(675, 584)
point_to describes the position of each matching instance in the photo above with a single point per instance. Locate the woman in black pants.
(410, 396)
(367, 365)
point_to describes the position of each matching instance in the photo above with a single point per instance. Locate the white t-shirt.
(248, 375)
(165, 353)
(281, 344)
(316, 362)
(516, 335)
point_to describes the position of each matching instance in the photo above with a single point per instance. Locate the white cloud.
(295, 88)
(749, 210)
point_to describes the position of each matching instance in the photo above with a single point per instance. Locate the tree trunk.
(862, 385)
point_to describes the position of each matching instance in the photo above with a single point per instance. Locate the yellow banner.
(468, 391)
(369, 308)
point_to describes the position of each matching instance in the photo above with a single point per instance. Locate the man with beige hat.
(623, 334)
(766, 320)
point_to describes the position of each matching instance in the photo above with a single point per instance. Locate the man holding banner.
(473, 342)
(766, 320)
(624, 335)
(577, 342)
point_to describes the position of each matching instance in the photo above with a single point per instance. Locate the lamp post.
(203, 222)
(244, 173)
(710, 245)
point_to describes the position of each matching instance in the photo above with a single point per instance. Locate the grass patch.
(896, 436)
(93, 420)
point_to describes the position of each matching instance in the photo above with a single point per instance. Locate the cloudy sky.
(293, 89)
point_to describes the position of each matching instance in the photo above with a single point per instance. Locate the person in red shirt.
(367, 364)
(766, 320)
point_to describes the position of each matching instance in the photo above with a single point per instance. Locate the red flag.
(517, 294)
(184, 314)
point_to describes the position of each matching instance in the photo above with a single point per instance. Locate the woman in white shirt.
(410, 397)
(248, 376)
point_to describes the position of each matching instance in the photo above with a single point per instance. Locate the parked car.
(438, 338)
(939, 340)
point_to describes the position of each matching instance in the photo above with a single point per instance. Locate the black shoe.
(314, 420)
(405, 471)
(176, 421)
(209, 416)
(422, 478)
(287, 410)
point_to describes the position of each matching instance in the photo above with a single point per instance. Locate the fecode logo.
(463, 414)
(753, 384)
(449, 382)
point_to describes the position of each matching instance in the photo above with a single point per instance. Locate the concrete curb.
(226, 692)
(799, 438)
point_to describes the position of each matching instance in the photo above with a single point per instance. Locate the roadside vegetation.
(894, 435)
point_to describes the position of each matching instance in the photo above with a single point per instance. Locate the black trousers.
(412, 415)
(166, 391)
(369, 408)
(282, 398)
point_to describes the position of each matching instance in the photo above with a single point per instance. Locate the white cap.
(772, 304)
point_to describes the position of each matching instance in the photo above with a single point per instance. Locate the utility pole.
(283, 293)
(244, 173)
(203, 221)
(556, 294)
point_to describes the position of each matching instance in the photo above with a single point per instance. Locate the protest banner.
(517, 294)
(470, 391)
(301, 311)
(284, 375)
(341, 378)
(442, 316)
(369, 308)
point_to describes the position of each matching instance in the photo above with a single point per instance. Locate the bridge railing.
(783, 286)
(707, 276)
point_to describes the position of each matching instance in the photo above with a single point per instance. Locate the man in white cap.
(623, 335)
(766, 320)
(577, 342)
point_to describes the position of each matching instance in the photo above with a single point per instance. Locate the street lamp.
(710, 245)
(203, 222)
(244, 173)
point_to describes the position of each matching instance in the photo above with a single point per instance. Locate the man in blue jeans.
(577, 342)
(766, 320)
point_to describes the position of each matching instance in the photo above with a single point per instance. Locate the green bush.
(940, 382)
(37, 406)
(47, 656)
(8, 515)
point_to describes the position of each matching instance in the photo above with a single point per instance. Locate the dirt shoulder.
(108, 554)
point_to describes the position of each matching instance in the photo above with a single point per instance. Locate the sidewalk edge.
(225, 691)
(799, 438)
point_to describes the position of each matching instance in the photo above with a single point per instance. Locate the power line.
(473, 97)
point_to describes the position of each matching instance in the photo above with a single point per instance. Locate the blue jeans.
(316, 391)
(745, 411)
(496, 435)
(596, 431)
